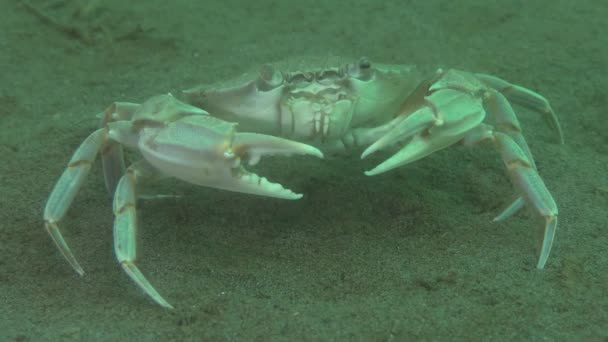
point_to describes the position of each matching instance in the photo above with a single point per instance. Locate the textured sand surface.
(411, 254)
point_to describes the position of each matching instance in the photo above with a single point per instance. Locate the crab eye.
(269, 78)
(361, 70)
(364, 63)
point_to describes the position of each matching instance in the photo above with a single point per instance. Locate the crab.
(323, 109)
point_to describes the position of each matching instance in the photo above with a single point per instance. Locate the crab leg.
(125, 227)
(506, 121)
(66, 189)
(112, 155)
(525, 98)
(450, 114)
(511, 209)
(526, 178)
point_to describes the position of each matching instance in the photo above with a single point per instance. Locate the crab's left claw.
(451, 109)
(207, 151)
(441, 117)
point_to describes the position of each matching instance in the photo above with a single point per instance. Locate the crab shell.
(310, 99)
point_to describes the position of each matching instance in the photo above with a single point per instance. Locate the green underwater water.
(411, 254)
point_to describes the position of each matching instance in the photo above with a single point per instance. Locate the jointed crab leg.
(525, 98)
(526, 178)
(452, 112)
(125, 226)
(516, 155)
(506, 121)
(66, 189)
(112, 155)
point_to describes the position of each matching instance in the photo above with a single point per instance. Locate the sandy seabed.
(412, 254)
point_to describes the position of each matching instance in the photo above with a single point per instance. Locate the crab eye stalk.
(269, 78)
(364, 63)
(361, 70)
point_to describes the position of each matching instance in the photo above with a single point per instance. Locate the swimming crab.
(208, 136)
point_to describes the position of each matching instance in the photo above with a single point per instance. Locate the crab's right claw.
(204, 150)
(252, 147)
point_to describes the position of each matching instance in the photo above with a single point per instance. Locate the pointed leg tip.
(79, 270)
(549, 235)
(162, 302)
(541, 264)
(510, 210)
(75, 265)
(67, 254)
(140, 280)
(542, 260)
(62, 246)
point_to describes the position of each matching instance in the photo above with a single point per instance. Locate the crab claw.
(207, 151)
(252, 146)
